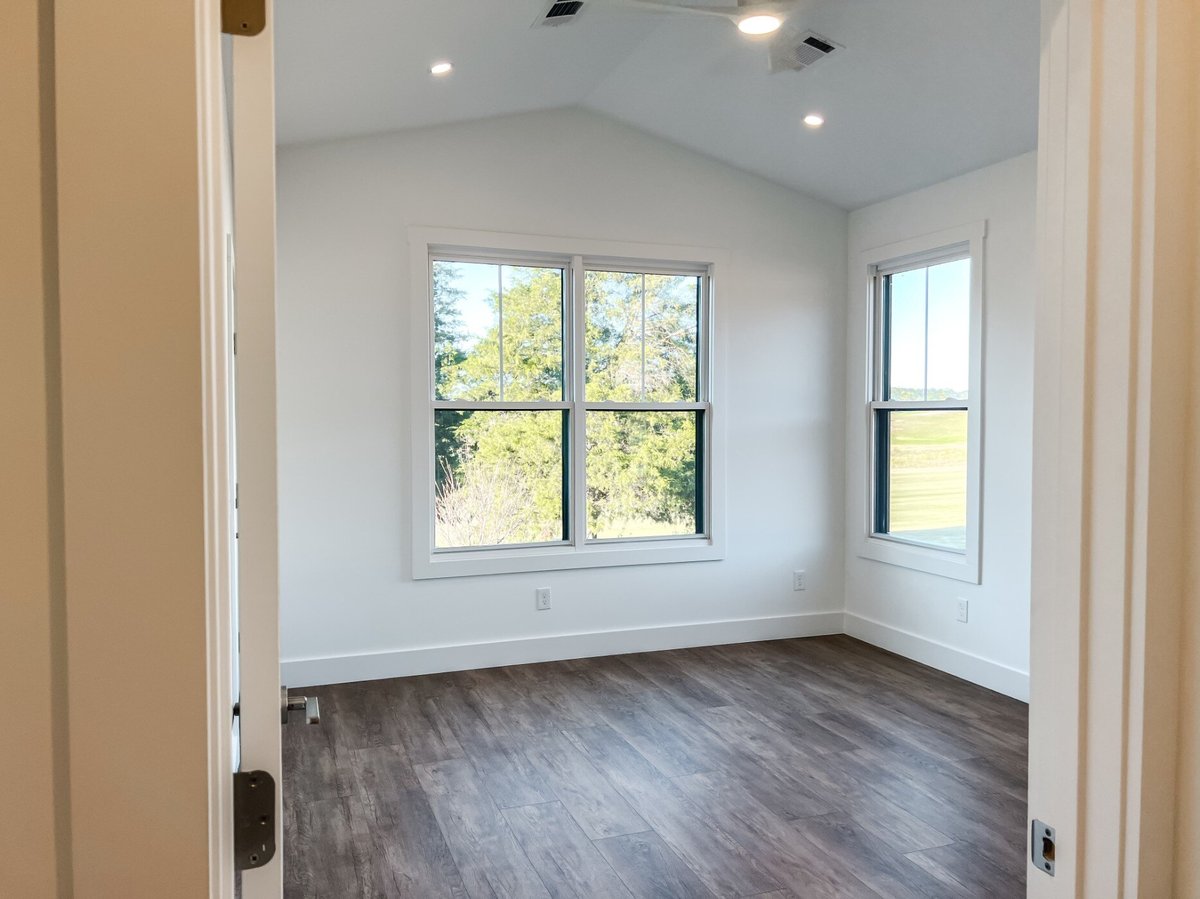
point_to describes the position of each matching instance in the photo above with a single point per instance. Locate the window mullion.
(643, 395)
(879, 334)
(651, 406)
(922, 405)
(925, 342)
(497, 406)
(704, 393)
(500, 324)
(577, 396)
(703, 370)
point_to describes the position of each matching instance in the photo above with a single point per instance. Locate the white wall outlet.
(798, 580)
(541, 597)
(962, 610)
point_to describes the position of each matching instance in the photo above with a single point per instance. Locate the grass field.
(928, 477)
(642, 527)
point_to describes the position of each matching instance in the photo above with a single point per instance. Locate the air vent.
(559, 12)
(797, 52)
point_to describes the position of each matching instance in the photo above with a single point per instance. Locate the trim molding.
(554, 647)
(968, 666)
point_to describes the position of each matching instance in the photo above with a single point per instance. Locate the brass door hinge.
(245, 17)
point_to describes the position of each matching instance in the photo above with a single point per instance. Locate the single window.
(924, 410)
(569, 415)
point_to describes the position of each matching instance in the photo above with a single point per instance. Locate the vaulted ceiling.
(924, 89)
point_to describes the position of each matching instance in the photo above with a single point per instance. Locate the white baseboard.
(968, 666)
(464, 656)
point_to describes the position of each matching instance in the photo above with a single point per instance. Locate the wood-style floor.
(795, 768)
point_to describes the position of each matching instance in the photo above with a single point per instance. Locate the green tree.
(447, 325)
(641, 338)
(448, 335)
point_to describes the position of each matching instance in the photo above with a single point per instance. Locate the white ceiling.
(924, 90)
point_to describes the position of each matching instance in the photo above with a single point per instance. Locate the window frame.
(965, 242)
(575, 256)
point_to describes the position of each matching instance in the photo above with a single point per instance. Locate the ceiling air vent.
(795, 53)
(560, 12)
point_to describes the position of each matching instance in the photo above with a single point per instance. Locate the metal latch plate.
(1042, 846)
(253, 819)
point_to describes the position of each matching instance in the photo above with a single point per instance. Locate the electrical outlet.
(962, 610)
(541, 597)
(798, 580)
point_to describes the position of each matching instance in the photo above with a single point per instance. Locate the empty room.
(654, 446)
(600, 448)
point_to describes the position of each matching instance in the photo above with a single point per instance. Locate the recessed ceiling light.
(759, 24)
(441, 68)
(812, 120)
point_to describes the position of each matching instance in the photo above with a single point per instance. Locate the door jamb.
(254, 201)
(216, 366)
(1117, 151)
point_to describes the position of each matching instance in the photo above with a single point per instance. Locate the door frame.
(253, 132)
(218, 409)
(1117, 239)
(237, 143)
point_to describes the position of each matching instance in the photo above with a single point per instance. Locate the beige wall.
(129, 239)
(1187, 832)
(1187, 829)
(1166, 791)
(102, 617)
(30, 530)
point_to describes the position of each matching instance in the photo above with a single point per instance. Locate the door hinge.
(246, 17)
(253, 819)
(1041, 843)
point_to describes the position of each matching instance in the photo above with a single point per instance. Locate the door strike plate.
(253, 819)
(1041, 847)
(245, 17)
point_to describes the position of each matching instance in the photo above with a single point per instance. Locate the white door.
(251, 96)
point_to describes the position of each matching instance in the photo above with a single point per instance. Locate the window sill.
(940, 562)
(469, 563)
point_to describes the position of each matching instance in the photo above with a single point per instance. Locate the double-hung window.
(565, 417)
(924, 406)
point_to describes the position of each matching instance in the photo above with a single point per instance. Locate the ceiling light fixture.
(812, 120)
(441, 68)
(759, 24)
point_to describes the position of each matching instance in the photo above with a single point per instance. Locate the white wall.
(349, 606)
(912, 612)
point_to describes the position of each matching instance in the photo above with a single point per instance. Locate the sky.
(478, 281)
(939, 295)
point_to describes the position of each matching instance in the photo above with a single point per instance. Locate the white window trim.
(430, 563)
(895, 551)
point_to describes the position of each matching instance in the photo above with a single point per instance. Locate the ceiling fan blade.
(779, 8)
(724, 12)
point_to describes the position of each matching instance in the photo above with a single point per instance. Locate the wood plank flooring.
(820, 767)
